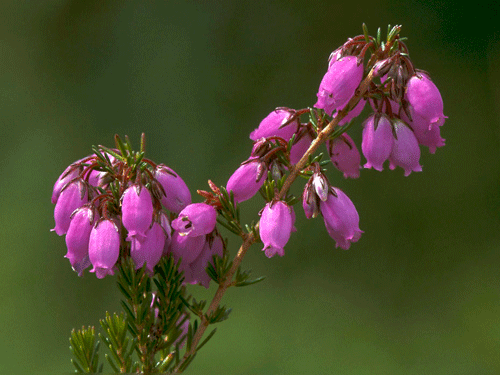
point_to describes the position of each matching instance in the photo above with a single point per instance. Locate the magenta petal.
(177, 193)
(200, 264)
(148, 249)
(244, 183)
(425, 99)
(300, 147)
(377, 143)
(405, 152)
(271, 125)
(70, 198)
(345, 155)
(195, 220)
(339, 84)
(137, 210)
(78, 236)
(275, 228)
(341, 219)
(187, 248)
(104, 248)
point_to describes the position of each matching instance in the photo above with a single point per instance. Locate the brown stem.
(250, 238)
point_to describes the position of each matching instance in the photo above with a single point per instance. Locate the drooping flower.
(104, 247)
(426, 137)
(72, 196)
(78, 236)
(177, 193)
(345, 155)
(137, 210)
(425, 100)
(300, 147)
(212, 247)
(148, 249)
(339, 84)
(377, 141)
(185, 247)
(70, 173)
(275, 228)
(353, 113)
(246, 181)
(274, 125)
(195, 220)
(341, 218)
(405, 151)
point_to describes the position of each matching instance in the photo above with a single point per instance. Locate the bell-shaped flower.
(69, 174)
(341, 218)
(187, 248)
(73, 196)
(78, 236)
(246, 181)
(339, 84)
(405, 152)
(275, 228)
(148, 249)
(353, 113)
(195, 220)
(212, 247)
(426, 137)
(344, 155)
(300, 146)
(104, 247)
(321, 185)
(177, 193)
(425, 100)
(377, 141)
(274, 125)
(137, 210)
(310, 202)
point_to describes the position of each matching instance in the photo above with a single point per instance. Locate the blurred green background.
(418, 294)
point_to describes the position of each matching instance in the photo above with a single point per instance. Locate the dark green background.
(418, 294)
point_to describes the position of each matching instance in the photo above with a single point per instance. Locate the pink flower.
(187, 248)
(195, 220)
(137, 210)
(353, 113)
(339, 84)
(78, 236)
(341, 218)
(300, 147)
(148, 249)
(272, 125)
(177, 193)
(345, 155)
(405, 152)
(104, 248)
(377, 141)
(72, 196)
(276, 224)
(246, 181)
(198, 267)
(425, 100)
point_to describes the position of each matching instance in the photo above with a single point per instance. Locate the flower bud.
(177, 193)
(275, 228)
(195, 220)
(246, 181)
(137, 210)
(341, 218)
(377, 141)
(339, 84)
(78, 236)
(71, 197)
(405, 152)
(272, 125)
(344, 155)
(104, 248)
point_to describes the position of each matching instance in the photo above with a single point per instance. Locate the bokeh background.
(418, 294)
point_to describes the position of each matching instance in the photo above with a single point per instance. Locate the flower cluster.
(407, 112)
(111, 206)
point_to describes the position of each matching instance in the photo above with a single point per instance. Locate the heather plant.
(126, 216)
